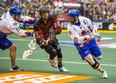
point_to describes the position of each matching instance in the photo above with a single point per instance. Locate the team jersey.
(80, 31)
(10, 25)
(43, 30)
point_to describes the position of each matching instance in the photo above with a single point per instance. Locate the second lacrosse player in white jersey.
(83, 32)
(9, 24)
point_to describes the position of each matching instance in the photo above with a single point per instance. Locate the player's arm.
(40, 38)
(57, 26)
(27, 19)
(93, 28)
(77, 38)
(16, 29)
(22, 33)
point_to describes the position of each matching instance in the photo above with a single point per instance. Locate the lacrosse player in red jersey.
(46, 28)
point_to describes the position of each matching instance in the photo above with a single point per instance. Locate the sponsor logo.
(37, 77)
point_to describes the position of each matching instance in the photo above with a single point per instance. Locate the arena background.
(37, 68)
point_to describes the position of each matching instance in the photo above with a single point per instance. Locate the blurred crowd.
(102, 12)
(99, 12)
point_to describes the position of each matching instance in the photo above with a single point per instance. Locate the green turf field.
(38, 63)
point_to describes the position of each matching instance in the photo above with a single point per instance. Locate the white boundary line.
(68, 62)
(40, 60)
(104, 38)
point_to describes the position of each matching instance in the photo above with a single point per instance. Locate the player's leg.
(97, 56)
(52, 52)
(12, 49)
(86, 55)
(59, 57)
(96, 52)
(95, 65)
(7, 44)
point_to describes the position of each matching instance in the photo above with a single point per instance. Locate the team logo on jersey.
(37, 77)
(83, 32)
(15, 23)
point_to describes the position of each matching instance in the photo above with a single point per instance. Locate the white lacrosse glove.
(94, 33)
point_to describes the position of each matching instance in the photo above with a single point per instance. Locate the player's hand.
(98, 38)
(44, 42)
(30, 34)
(51, 39)
(94, 34)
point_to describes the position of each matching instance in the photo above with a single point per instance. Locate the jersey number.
(18, 29)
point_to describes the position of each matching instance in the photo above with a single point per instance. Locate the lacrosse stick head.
(27, 53)
(32, 44)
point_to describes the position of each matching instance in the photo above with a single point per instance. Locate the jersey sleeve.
(15, 28)
(57, 26)
(76, 37)
(38, 32)
(27, 19)
(91, 25)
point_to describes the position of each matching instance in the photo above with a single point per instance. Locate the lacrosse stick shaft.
(29, 52)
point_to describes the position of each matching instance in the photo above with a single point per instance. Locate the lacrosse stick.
(32, 46)
(29, 52)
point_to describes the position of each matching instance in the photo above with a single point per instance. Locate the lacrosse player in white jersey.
(9, 24)
(83, 32)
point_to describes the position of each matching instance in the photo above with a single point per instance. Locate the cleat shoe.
(52, 62)
(16, 68)
(63, 69)
(104, 75)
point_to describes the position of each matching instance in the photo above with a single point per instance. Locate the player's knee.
(99, 57)
(13, 47)
(59, 49)
(53, 53)
(95, 65)
(59, 53)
